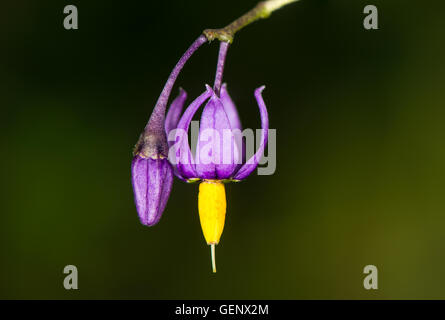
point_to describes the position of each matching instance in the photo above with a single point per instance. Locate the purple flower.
(219, 152)
(219, 156)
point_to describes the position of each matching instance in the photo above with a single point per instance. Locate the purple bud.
(152, 182)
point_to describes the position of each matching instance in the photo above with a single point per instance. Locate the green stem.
(261, 10)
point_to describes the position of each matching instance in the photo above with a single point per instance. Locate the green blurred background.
(360, 173)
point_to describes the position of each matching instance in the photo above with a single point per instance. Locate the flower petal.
(174, 112)
(184, 160)
(216, 148)
(235, 122)
(172, 119)
(230, 108)
(152, 181)
(252, 163)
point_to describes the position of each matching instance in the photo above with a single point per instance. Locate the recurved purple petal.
(216, 150)
(252, 163)
(152, 181)
(184, 159)
(174, 113)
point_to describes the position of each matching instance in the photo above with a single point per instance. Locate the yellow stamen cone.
(212, 212)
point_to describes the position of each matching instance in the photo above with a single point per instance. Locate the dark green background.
(360, 173)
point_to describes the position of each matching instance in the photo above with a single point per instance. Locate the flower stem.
(262, 10)
(156, 121)
(223, 47)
